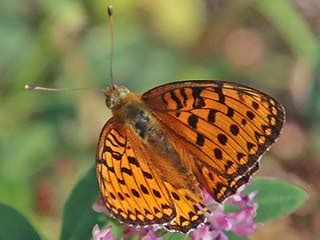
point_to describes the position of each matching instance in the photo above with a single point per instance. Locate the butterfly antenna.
(110, 13)
(37, 88)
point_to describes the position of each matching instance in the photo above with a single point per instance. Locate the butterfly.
(159, 149)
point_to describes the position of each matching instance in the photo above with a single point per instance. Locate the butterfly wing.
(225, 126)
(131, 190)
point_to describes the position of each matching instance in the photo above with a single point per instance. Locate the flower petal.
(104, 234)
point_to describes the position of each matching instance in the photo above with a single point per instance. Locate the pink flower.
(206, 232)
(240, 222)
(100, 207)
(104, 234)
(151, 235)
(146, 233)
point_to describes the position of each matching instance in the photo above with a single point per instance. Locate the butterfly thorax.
(139, 118)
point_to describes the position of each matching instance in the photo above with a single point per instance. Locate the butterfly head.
(114, 96)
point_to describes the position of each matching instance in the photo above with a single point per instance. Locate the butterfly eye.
(109, 100)
(114, 95)
(112, 101)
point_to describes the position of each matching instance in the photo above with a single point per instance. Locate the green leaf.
(78, 216)
(275, 198)
(117, 230)
(14, 226)
(228, 208)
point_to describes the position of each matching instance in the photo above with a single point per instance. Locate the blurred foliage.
(82, 197)
(48, 140)
(275, 198)
(11, 220)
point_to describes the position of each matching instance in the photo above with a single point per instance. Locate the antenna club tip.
(28, 87)
(110, 10)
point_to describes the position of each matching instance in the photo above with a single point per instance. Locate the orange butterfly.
(159, 148)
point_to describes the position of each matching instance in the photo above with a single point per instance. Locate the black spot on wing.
(250, 146)
(176, 99)
(200, 139)
(120, 196)
(133, 160)
(218, 90)
(115, 155)
(217, 153)
(250, 115)
(222, 138)
(144, 189)
(156, 193)
(240, 156)
(184, 95)
(135, 193)
(234, 129)
(126, 170)
(147, 175)
(175, 196)
(230, 112)
(193, 120)
(255, 105)
(212, 116)
(198, 100)
(164, 100)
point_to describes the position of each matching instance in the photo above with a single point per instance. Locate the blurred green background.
(47, 140)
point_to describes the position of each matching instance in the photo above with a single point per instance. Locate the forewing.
(131, 190)
(226, 126)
